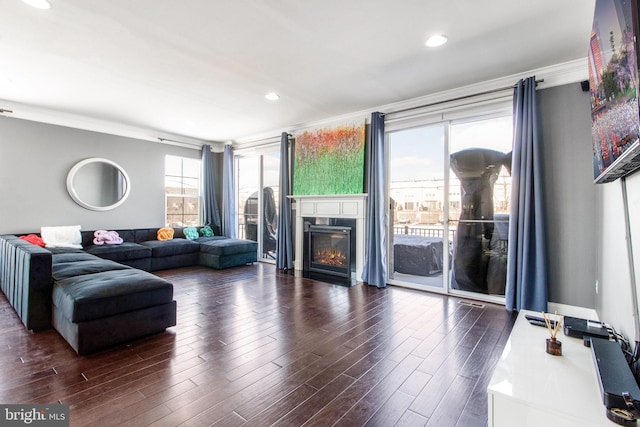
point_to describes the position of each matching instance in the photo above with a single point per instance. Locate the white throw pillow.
(62, 237)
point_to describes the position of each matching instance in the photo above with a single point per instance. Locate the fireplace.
(343, 210)
(330, 250)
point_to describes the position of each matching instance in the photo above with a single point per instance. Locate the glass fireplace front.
(330, 250)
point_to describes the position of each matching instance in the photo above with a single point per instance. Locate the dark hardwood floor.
(257, 347)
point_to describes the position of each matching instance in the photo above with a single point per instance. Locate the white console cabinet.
(532, 388)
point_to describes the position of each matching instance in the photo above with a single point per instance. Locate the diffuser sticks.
(554, 346)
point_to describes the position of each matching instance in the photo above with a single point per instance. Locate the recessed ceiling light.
(436, 40)
(272, 96)
(39, 4)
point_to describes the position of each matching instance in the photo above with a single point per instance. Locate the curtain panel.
(284, 242)
(229, 217)
(375, 265)
(210, 208)
(527, 265)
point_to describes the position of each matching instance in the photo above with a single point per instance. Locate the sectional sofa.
(141, 249)
(102, 295)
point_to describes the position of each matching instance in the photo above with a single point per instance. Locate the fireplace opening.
(330, 250)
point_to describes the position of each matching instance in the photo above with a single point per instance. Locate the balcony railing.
(423, 231)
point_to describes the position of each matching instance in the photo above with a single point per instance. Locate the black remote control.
(539, 321)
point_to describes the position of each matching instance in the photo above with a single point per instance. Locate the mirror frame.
(76, 198)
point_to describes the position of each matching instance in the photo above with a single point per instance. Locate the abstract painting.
(330, 161)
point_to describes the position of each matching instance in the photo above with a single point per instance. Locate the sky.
(418, 153)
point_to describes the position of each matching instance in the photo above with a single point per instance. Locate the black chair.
(477, 169)
(269, 221)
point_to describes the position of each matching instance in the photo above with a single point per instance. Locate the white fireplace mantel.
(332, 206)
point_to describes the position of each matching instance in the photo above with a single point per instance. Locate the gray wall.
(570, 194)
(36, 158)
(588, 258)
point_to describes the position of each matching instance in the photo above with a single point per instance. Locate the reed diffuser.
(554, 346)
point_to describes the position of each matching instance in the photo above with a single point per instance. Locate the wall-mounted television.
(613, 84)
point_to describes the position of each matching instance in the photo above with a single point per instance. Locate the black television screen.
(613, 84)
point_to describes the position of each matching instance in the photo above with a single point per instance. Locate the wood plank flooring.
(257, 347)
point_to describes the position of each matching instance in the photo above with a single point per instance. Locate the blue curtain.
(375, 265)
(228, 194)
(527, 265)
(209, 196)
(284, 242)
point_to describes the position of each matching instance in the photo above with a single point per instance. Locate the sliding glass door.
(449, 198)
(257, 196)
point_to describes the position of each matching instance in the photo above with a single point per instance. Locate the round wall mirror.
(98, 184)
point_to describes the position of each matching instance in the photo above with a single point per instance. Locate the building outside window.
(182, 191)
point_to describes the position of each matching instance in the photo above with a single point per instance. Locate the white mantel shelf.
(332, 206)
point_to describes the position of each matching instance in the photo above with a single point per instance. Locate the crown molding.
(78, 121)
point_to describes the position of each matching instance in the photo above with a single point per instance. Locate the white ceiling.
(200, 68)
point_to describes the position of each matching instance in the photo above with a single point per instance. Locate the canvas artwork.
(330, 161)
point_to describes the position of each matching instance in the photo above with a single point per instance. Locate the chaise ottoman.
(225, 253)
(98, 303)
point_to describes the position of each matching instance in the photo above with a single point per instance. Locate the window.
(182, 191)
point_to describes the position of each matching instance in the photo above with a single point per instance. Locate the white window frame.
(182, 195)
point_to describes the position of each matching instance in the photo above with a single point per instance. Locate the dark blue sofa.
(142, 250)
(102, 295)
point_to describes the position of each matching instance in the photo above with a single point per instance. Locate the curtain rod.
(181, 143)
(276, 139)
(460, 98)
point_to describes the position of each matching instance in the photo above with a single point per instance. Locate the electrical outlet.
(596, 286)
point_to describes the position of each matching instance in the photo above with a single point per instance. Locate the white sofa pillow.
(62, 237)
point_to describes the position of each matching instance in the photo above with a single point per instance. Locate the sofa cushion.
(210, 238)
(64, 270)
(74, 256)
(145, 234)
(228, 246)
(57, 251)
(123, 252)
(98, 295)
(160, 248)
(226, 261)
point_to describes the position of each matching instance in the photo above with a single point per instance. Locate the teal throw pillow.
(206, 231)
(191, 233)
